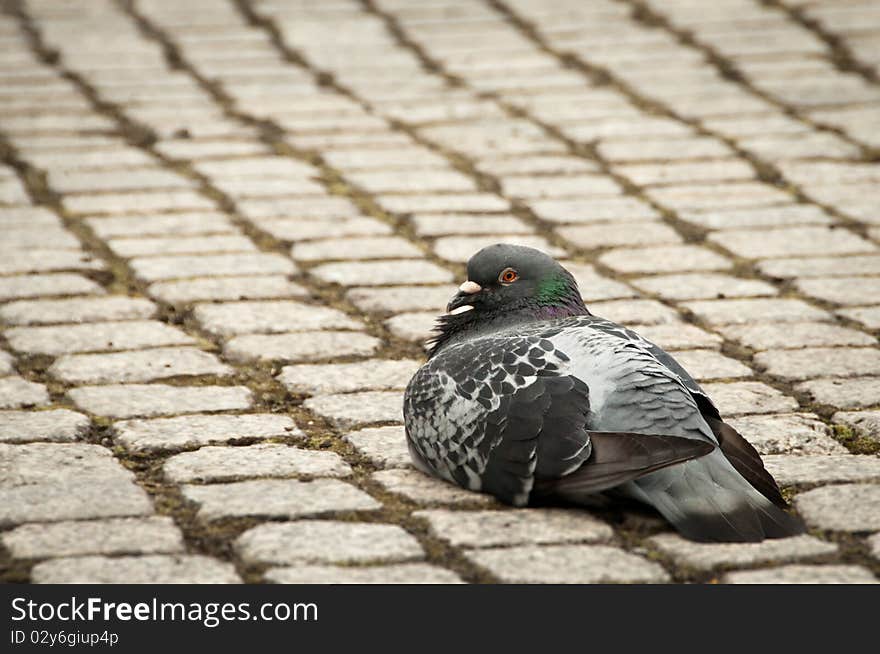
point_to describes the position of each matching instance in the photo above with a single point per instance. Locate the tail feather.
(707, 500)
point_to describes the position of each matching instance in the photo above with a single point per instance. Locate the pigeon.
(529, 397)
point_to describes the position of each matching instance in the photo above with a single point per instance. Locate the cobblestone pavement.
(228, 226)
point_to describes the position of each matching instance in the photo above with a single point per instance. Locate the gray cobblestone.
(517, 527)
(325, 541)
(154, 569)
(226, 288)
(844, 393)
(197, 430)
(374, 374)
(822, 266)
(803, 574)
(668, 258)
(371, 168)
(814, 362)
(86, 482)
(709, 364)
(766, 336)
(95, 337)
(422, 489)
(868, 316)
(212, 464)
(17, 392)
(460, 248)
(864, 422)
(842, 290)
(385, 447)
(280, 498)
(777, 216)
(347, 409)
(172, 224)
(132, 400)
(734, 312)
(379, 247)
(156, 534)
(232, 318)
(703, 286)
(155, 246)
(791, 241)
(567, 564)
(822, 468)
(302, 346)
(401, 298)
(748, 397)
(788, 433)
(404, 573)
(136, 366)
(381, 273)
(706, 556)
(599, 236)
(55, 425)
(154, 269)
(824, 507)
(32, 286)
(45, 260)
(35, 312)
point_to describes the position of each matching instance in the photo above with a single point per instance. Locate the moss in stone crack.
(855, 441)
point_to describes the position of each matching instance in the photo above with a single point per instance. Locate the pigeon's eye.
(508, 276)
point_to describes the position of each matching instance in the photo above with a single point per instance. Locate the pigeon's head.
(505, 276)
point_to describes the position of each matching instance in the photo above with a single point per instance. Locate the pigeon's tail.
(707, 500)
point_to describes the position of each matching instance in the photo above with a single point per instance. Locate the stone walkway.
(227, 227)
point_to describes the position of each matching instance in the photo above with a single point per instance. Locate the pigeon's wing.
(707, 407)
(744, 458)
(496, 414)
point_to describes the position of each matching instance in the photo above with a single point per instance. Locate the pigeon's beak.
(463, 300)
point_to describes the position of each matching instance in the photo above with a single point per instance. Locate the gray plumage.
(528, 396)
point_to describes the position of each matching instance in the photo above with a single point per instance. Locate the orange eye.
(508, 276)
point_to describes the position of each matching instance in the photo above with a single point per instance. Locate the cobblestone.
(787, 433)
(770, 336)
(374, 374)
(231, 318)
(32, 286)
(823, 508)
(300, 215)
(404, 573)
(154, 535)
(197, 430)
(16, 392)
(212, 464)
(706, 556)
(385, 447)
(132, 400)
(803, 574)
(56, 425)
(226, 288)
(137, 366)
(86, 482)
(864, 422)
(153, 569)
(844, 393)
(419, 487)
(347, 409)
(279, 498)
(325, 541)
(35, 312)
(95, 337)
(822, 469)
(567, 564)
(518, 527)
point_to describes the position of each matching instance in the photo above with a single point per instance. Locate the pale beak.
(463, 298)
